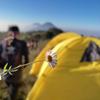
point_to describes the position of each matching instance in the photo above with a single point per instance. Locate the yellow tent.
(36, 66)
(70, 79)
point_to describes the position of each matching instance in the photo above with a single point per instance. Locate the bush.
(53, 32)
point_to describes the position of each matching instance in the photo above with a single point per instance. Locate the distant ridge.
(40, 27)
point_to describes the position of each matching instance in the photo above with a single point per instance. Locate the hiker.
(14, 52)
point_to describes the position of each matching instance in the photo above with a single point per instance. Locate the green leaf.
(10, 68)
(14, 70)
(5, 67)
(10, 73)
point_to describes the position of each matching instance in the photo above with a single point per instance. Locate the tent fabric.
(70, 79)
(36, 66)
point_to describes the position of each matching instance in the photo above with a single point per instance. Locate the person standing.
(14, 52)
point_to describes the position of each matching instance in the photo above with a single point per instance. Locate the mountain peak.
(40, 27)
(50, 24)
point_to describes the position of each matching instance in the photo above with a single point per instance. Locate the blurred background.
(41, 20)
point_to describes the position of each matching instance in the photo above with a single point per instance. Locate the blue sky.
(76, 14)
